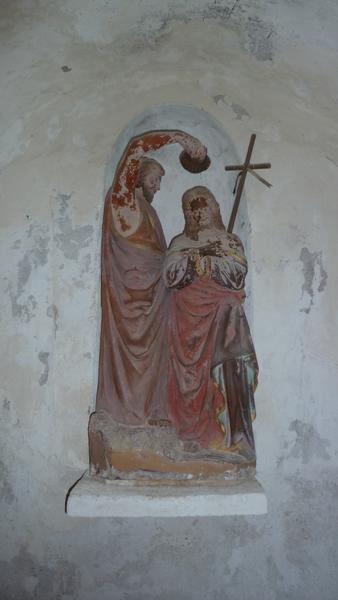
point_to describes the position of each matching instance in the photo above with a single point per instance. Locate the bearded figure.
(212, 365)
(132, 382)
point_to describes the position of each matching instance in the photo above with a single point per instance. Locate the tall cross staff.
(247, 167)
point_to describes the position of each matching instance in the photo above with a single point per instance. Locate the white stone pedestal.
(91, 497)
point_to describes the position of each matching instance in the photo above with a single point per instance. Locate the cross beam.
(247, 167)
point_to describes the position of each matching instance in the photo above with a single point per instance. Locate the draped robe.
(132, 383)
(212, 367)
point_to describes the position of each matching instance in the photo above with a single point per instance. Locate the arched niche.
(121, 439)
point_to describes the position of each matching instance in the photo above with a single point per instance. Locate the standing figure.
(133, 365)
(213, 368)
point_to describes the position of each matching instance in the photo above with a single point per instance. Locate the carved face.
(151, 183)
(201, 212)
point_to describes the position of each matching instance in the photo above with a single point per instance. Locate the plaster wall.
(73, 75)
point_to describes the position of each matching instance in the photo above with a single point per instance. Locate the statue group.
(177, 367)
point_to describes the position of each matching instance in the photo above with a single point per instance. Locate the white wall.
(265, 67)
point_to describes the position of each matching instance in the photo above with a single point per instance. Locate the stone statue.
(212, 363)
(132, 385)
(177, 367)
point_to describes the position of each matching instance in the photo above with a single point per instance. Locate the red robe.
(210, 392)
(132, 384)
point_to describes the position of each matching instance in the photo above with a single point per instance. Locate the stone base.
(97, 497)
(120, 452)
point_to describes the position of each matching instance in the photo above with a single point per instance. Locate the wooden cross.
(247, 167)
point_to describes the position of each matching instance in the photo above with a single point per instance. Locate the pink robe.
(210, 392)
(133, 365)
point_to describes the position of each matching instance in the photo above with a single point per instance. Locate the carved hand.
(192, 146)
(212, 249)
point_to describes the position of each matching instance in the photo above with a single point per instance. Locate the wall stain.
(63, 202)
(307, 445)
(258, 39)
(274, 577)
(24, 311)
(335, 163)
(16, 245)
(34, 257)
(257, 35)
(6, 404)
(70, 239)
(312, 266)
(44, 358)
(239, 111)
(53, 313)
(310, 522)
(6, 490)
(24, 577)
(86, 263)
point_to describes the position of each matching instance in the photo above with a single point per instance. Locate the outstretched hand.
(193, 147)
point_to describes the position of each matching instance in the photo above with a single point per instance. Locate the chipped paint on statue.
(177, 368)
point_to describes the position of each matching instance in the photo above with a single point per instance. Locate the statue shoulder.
(179, 243)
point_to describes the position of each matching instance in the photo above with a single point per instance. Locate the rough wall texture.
(73, 73)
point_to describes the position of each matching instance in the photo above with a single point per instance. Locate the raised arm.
(126, 213)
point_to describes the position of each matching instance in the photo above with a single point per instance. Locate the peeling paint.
(86, 263)
(6, 404)
(312, 267)
(34, 257)
(53, 313)
(239, 111)
(16, 245)
(24, 311)
(6, 490)
(54, 578)
(44, 357)
(70, 239)
(274, 576)
(307, 445)
(259, 37)
(154, 28)
(310, 526)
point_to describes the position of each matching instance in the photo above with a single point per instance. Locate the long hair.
(192, 227)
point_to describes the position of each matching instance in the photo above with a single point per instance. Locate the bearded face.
(151, 182)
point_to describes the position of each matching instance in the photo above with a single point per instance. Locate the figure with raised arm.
(133, 364)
